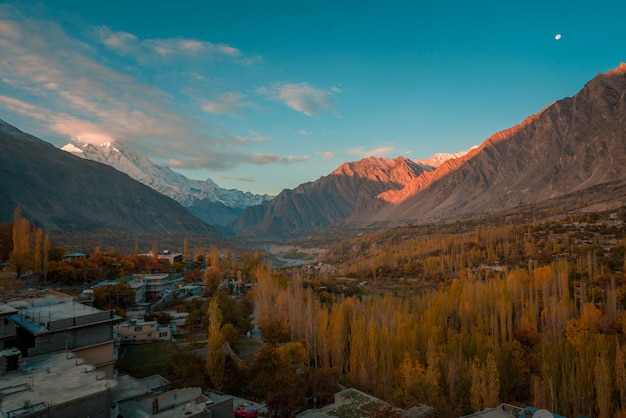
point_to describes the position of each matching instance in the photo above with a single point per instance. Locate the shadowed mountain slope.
(59, 191)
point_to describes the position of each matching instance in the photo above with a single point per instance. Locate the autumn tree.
(116, 296)
(21, 256)
(216, 358)
(46, 257)
(485, 388)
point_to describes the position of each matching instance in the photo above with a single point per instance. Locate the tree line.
(547, 330)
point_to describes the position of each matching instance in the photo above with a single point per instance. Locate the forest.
(459, 317)
(527, 314)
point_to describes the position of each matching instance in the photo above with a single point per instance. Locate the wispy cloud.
(73, 91)
(242, 179)
(226, 159)
(227, 104)
(327, 154)
(371, 152)
(126, 43)
(304, 132)
(302, 97)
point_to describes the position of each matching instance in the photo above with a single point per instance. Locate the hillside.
(314, 206)
(59, 191)
(574, 147)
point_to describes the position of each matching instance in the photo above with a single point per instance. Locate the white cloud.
(302, 97)
(304, 132)
(226, 104)
(126, 43)
(327, 154)
(71, 91)
(372, 152)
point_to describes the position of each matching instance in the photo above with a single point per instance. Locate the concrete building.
(56, 385)
(143, 331)
(354, 403)
(154, 284)
(55, 322)
(150, 397)
(138, 284)
(9, 355)
(505, 410)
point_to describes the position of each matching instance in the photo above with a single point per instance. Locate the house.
(56, 385)
(139, 331)
(354, 403)
(139, 398)
(155, 284)
(74, 256)
(53, 322)
(9, 355)
(171, 257)
(505, 410)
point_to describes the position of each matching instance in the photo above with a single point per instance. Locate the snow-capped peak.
(161, 178)
(71, 148)
(441, 157)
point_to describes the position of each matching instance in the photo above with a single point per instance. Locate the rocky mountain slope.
(314, 206)
(574, 147)
(59, 191)
(205, 199)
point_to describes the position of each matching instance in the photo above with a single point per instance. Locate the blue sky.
(265, 95)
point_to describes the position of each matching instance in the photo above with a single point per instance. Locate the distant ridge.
(59, 191)
(205, 199)
(328, 201)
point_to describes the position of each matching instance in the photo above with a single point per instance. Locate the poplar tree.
(216, 358)
(21, 256)
(46, 256)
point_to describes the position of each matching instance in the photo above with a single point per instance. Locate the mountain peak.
(620, 69)
(441, 157)
(72, 149)
(185, 191)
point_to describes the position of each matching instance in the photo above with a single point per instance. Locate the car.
(246, 410)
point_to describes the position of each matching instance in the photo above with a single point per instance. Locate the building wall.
(71, 339)
(97, 405)
(223, 409)
(143, 332)
(100, 355)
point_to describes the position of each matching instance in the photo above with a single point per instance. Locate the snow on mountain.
(185, 191)
(441, 157)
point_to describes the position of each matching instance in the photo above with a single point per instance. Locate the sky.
(262, 96)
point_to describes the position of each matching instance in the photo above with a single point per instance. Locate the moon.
(557, 36)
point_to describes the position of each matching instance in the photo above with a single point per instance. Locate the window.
(137, 329)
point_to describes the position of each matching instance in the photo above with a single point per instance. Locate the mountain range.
(570, 155)
(205, 199)
(59, 191)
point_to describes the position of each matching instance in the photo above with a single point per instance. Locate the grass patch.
(141, 360)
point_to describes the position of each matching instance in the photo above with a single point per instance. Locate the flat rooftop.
(7, 309)
(41, 315)
(49, 380)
